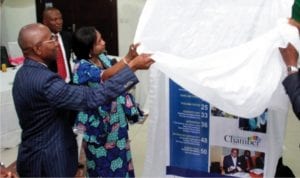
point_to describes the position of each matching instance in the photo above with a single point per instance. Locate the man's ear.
(36, 50)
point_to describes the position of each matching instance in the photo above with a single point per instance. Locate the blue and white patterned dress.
(106, 127)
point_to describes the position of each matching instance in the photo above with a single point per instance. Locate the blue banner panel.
(171, 170)
(189, 130)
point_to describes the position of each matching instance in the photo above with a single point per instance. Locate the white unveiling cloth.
(240, 80)
(226, 53)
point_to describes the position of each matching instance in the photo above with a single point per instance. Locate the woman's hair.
(83, 42)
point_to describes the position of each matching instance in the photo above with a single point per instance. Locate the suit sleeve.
(225, 164)
(62, 95)
(292, 87)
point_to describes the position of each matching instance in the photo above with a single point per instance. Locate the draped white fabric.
(202, 46)
(240, 80)
(225, 52)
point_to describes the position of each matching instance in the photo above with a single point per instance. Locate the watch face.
(292, 69)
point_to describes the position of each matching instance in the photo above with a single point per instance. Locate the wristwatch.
(292, 69)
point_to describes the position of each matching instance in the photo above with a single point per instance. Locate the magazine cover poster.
(206, 141)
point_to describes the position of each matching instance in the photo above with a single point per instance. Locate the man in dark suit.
(232, 163)
(52, 18)
(48, 146)
(290, 57)
(292, 82)
(246, 161)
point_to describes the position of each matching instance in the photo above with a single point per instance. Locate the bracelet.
(125, 62)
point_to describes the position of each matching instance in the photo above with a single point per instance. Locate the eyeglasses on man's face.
(51, 40)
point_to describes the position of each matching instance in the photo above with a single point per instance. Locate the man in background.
(52, 18)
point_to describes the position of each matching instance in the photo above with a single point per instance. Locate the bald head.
(32, 34)
(37, 43)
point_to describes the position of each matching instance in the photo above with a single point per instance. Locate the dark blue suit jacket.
(48, 146)
(227, 162)
(292, 87)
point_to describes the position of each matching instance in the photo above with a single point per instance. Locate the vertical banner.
(189, 131)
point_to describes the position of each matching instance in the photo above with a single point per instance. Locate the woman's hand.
(141, 62)
(4, 173)
(132, 53)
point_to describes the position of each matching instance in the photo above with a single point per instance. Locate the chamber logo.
(253, 140)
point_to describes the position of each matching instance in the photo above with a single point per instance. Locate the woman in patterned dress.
(105, 128)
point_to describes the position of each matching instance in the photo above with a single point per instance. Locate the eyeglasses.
(51, 40)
